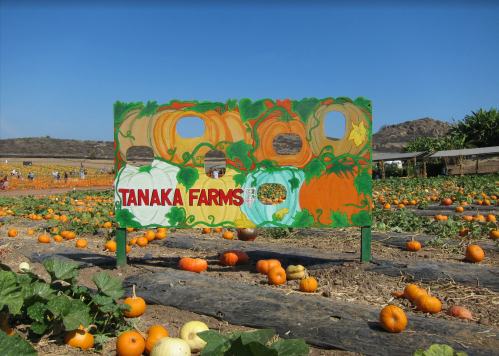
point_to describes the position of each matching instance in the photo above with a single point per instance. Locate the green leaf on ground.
(77, 315)
(439, 350)
(10, 292)
(187, 176)
(15, 345)
(60, 305)
(291, 347)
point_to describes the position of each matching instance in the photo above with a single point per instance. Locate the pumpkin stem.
(134, 296)
(89, 327)
(412, 238)
(139, 331)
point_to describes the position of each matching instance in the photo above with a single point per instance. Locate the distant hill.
(391, 139)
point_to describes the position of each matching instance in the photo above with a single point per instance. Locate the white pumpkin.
(189, 331)
(171, 346)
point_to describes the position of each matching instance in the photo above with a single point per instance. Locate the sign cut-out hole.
(287, 144)
(140, 155)
(190, 127)
(271, 194)
(334, 125)
(215, 160)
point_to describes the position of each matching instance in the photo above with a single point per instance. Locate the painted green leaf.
(231, 104)
(120, 109)
(250, 110)
(108, 285)
(240, 179)
(364, 103)
(15, 345)
(146, 169)
(314, 169)
(207, 106)
(304, 108)
(342, 100)
(340, 168)
(177, 216)
(361, 219)
(339, 219)
(187, 176)
(126, 218)
(148, 109)
(63, 271)
(303, 219)
(294, 183)
(291, 347)
(10, 292)
(269, 166)
(240, 150)
(364, 183)
(79, 314)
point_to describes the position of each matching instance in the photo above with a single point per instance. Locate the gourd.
(428, 304)
(189, 333)
(295, 272)
(159, 175)
(137, 304)
(412, 291)
(264, 266)
(353, 116)
(274, 126)
(247, 234)
(474, 253)
(260, 213)
(130, 343)
(193, 264)
(459, 312)
(79, 338)
(170, 346)
(308, 285)
(155, 333)
(233, 258)
(392, 319)
(331, 192)
(413, 245)
(221, 213)
(276, 275)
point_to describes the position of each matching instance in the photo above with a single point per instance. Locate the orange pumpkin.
(13, 233)
(234, 257)
(474, 253)
(308, 285)
(70, 235)
(150, 235)
(277, 275)
(264, 266)
(57, 238)
(111, 246)
(228, 235)
(44, 239)
(142, 241)
(412, 291)
(81, 243)
(193, 264)
(275, 126)
(413, 245)
(494, 234)
(130, 343)
(154, 333)
(428, 304)
(137, 304)
(79, 338)
(392, 319)
(318, 194)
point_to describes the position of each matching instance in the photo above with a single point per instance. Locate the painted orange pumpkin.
(392, 319)
(275, 126)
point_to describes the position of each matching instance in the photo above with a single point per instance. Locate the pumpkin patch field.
(306, 284)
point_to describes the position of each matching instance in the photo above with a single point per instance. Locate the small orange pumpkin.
(13, 233)
(276, 275)
(154, 333)
(79, 338)
(111, 246)
(44, 239)
(474, 253)
(130, 343)
(494, 234)
(160, 235)
(234, 257)
(142, 241)
(413, 245)
(137, 304)
(70, 235)
(308, 285)
(413, 291)
(193, 264)
(206, 230)
(264, 266)
(217, 229)
(392, 319)
(30, 232)
(428, 304)
(228, 235)
(57, 238)
(150, 235)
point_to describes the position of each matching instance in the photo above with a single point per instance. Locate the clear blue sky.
(63, 67)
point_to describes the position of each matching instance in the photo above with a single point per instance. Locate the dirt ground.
(347, 283)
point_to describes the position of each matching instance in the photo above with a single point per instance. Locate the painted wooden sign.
(327, 183)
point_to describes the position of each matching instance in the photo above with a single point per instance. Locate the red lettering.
(164, 197)
(203, 198)
(177, 198)
(124, 192)
(143, 196)
(238, 200)
(225, 199)
(213, 196)
(155, 198)
(192, 196)
(132, 199)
